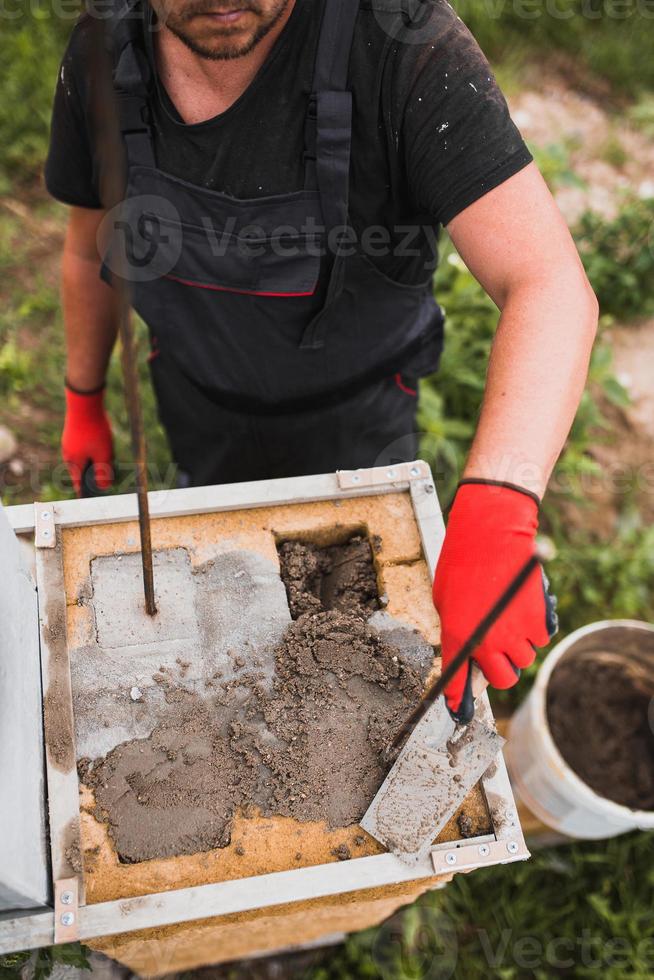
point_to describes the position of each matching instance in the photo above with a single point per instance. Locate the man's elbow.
(577, 298)
(589, 304)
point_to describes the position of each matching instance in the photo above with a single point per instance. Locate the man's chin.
(218, 45)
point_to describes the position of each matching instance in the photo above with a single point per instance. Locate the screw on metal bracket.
(383, 475)
(66, 925)
(450, 858)
(512, 847)
(484, 850)
(45, 532)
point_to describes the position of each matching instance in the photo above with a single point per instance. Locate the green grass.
(579, 911)
(598, 38)
(34, 372)
(619, 258)
(40, 964)
(33, 40)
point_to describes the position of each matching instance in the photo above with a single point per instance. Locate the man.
(289, 165)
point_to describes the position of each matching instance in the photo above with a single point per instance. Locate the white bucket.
(539, 774)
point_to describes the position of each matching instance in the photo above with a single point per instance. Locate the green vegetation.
(33, 39)
(641, 114)
(589, 577)
(606, 38)
(619, 258)
(579, 911)
(40, 964)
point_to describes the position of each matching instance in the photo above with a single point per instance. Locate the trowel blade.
(432, 776)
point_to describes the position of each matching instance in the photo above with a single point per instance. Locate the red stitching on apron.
(154, 352)
(400, 384)
(228, 289)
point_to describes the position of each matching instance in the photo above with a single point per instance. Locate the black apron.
(249, 300)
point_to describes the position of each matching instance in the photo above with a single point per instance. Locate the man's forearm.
(90, 315)
(536, 377)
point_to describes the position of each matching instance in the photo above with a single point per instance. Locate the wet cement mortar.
(599, 719)
(310, 743)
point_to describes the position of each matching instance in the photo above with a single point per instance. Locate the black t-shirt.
(431, 133)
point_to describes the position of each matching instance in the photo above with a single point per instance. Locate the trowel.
(441, 760)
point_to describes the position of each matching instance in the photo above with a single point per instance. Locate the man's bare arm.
(90, 309)
(516, 243)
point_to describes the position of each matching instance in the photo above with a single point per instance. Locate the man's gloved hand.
(87, 438)
(491, 534)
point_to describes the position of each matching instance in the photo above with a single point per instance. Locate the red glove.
(87, 438)
(491, 534)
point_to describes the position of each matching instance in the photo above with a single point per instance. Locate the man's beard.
(216, 47)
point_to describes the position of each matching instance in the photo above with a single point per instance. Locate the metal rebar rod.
(133, 399)
(113, 191)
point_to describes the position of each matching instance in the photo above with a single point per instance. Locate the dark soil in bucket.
(599, 719)
(310, 743)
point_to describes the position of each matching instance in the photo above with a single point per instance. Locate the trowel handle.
(479, 682)
(89, 487)
(464, 655)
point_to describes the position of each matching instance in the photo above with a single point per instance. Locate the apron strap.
(333, 109)
(331, 105)
(132, 82)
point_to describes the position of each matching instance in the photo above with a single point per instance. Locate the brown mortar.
(259, 844)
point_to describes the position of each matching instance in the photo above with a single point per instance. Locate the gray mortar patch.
(210, 620)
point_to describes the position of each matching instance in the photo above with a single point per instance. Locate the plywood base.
(158, 952)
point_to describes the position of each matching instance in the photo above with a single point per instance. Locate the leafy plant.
(597, 37)
(591, 579)
(33, 39)
(641, 114)
(619, 258)
(554, 163)
(39, 965)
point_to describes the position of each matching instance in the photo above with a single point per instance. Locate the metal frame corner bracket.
(45, 531)
(450, 858)
(380, 475)
(66, 911)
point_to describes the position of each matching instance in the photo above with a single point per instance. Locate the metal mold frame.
(506, 844)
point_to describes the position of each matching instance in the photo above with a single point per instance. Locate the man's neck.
(200, 88)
